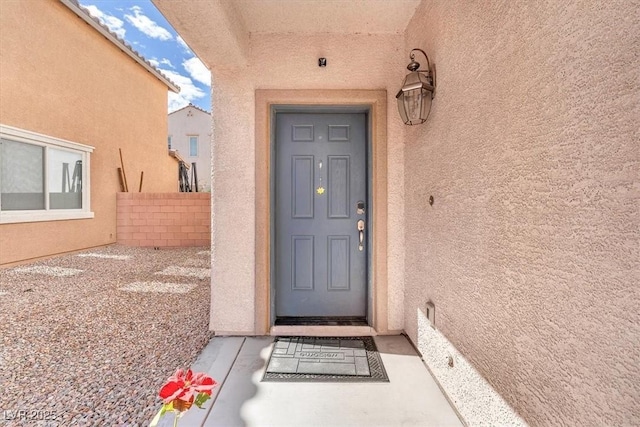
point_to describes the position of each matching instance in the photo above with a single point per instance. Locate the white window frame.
(21, 135)
(197, 137)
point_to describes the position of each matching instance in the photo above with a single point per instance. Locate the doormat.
(321, 359)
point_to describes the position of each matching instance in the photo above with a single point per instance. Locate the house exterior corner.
(66, 87)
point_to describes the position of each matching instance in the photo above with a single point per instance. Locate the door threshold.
(321, 321)
(323, 331)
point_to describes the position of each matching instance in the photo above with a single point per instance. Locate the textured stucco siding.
(60, 77)
(233, 205)
(531, 250)
(275, 65)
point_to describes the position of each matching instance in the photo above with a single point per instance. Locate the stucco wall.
(354, 62)
(531, 250)
(60, 77)
(191, 121)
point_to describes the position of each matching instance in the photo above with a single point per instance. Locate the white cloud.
(176, 102)
(138, 44)
(188, 91)
(165, 61)
(197, 70)
(182, 44)
(146, 25)
(114, 24)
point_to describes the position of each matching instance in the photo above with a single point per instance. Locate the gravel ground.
(80, 351)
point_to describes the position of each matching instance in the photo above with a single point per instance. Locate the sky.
(143, 27)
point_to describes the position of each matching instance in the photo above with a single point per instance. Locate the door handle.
(361, 234)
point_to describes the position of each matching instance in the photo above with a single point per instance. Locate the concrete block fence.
(164, 219)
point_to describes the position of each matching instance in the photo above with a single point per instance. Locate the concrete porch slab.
(410, 398)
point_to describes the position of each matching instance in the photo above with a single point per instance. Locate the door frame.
(268, 104)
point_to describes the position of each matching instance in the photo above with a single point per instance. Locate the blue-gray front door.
(320, 212)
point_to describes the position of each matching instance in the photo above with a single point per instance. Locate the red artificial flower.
(185, 385)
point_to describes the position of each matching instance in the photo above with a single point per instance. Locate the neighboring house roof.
(190, 105)
(121, 44)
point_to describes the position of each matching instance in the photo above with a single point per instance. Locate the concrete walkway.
(410, 398)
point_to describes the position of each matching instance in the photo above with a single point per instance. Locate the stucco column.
(233, 201)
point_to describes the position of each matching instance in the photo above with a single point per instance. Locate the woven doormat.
(321, 359)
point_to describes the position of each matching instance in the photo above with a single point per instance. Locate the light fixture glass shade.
(414, 98)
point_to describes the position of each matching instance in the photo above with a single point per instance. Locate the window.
(193, 146)
(42, 178)
(169, 141)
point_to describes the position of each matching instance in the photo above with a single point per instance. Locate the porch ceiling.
(218, 30)
(326, 16)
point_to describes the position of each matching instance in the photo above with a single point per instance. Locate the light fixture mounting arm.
(415, 66)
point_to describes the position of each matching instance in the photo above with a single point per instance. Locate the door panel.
(302, 188)
(302, 263)
(320, 176)
(338, 188)
(339, 259)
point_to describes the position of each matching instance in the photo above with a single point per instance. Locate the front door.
(320, 215)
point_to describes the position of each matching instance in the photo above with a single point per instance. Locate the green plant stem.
(175, 420)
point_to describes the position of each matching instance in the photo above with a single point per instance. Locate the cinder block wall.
(164, 219)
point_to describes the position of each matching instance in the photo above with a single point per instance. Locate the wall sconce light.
(418, 89)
